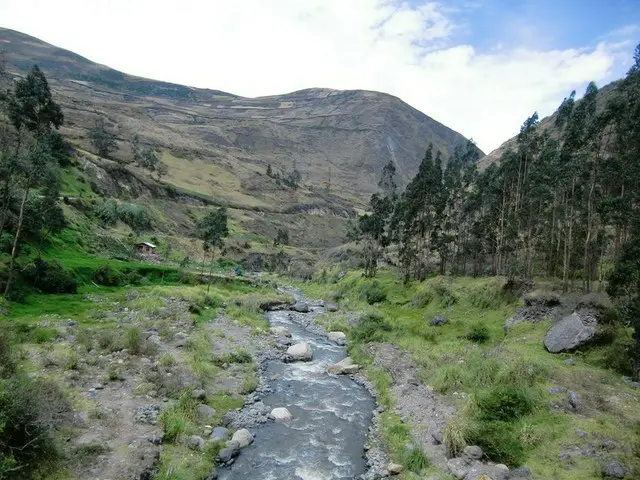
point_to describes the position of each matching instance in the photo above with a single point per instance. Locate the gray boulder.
(243, 437)
(339, 337)
(195, 442)
(230, 451)
(300, 352)
(522, 473)
(574, 400)
(438, 321)
(220, 434)
(614, 470)
(281, 414)
(344, 367)
(571, 332)
(472, 452)
(280, 331)
(301, 307)
(205, 411)
(331, 307)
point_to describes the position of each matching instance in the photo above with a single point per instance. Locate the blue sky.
(478, 66)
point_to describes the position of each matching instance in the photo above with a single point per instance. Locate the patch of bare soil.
(426, 411)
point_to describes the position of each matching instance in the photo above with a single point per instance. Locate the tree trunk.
(14, 249)
(568, 239)
(210, 271)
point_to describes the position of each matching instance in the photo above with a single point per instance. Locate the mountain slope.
(339, 137)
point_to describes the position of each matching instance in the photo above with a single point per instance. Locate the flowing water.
(331, 415)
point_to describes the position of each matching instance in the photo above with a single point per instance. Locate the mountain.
(220, 145)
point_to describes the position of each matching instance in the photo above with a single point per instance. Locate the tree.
(269, 171)
(387, 181)
(212, 230)
(102, 140)
(282, 237)
(146, 157)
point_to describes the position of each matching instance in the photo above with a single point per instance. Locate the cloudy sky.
(479, 66)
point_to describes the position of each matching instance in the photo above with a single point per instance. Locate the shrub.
(415, 460)
(49, 277)
(108, 276)
(249, 384)
(449, 378)
(479, 333)
(454, 436)
(7, 360)
(134, 340)
(371, 328)
(487, 295)
(107, 340)
(374, 293)
(30, 412)
(422, 299)
(500, 441)
(442, 289)
(505, 403)
(239, 356)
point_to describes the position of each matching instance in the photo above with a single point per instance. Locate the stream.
(331, 415)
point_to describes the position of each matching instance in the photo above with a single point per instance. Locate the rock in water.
(438, 321)
(243, 437)
(569, 333)
(339, 337)
(281, 414)
(282, 332)
(300, 352)
(344, 367)
(301, 307)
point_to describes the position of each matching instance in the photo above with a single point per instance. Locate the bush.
(505, 403)
(374, 293)
(415, 461)
(108, 276)
(134, 340)
(449, 378)
(7, 361)
(479, 333)
(371, 328)
(500, 441)
(49, 277)
(30, 412)
(422, 299)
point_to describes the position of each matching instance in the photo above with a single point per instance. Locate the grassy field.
(482, 369)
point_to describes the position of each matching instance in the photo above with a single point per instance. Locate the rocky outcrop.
(300, 352)
(339, 337)
(537, 307)
(571, 332)
(344, 367)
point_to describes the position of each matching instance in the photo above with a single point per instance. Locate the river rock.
(220, 434)
(301, 307)
(281, 414)
(571, 332)
(339, 337)
(230, 451)
(395, 468)
(300, 352)
(195, 442)
(281, 332)
(344, 367)
(472, 452)
(205, 411)
(199, 394)
(243, 437)
(438, 321)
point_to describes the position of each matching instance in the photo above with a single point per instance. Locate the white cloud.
(259, 47)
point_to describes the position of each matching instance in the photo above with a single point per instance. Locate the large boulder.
(570, 333)
(219, 434)
(339, 337)
(331, 307)
(243, 437)
(538, 306)
(281, 414)
(282, 332)
(205, 411)
(300, 352)
(344, 367)
(301, 307)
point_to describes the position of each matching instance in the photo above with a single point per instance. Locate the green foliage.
(422, 299)
(449, 378)
(371, 328)
(102, 140)
(108, 276)
(500, 441)
(239, 356)
(108, 212)
(479, 333)
(30, 412)
(415, 461)
(49, 277)
(135, 342)
(176, 418)
(374, 293)
(506, 403)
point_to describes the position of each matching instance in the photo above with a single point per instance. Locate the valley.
(323, 284)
